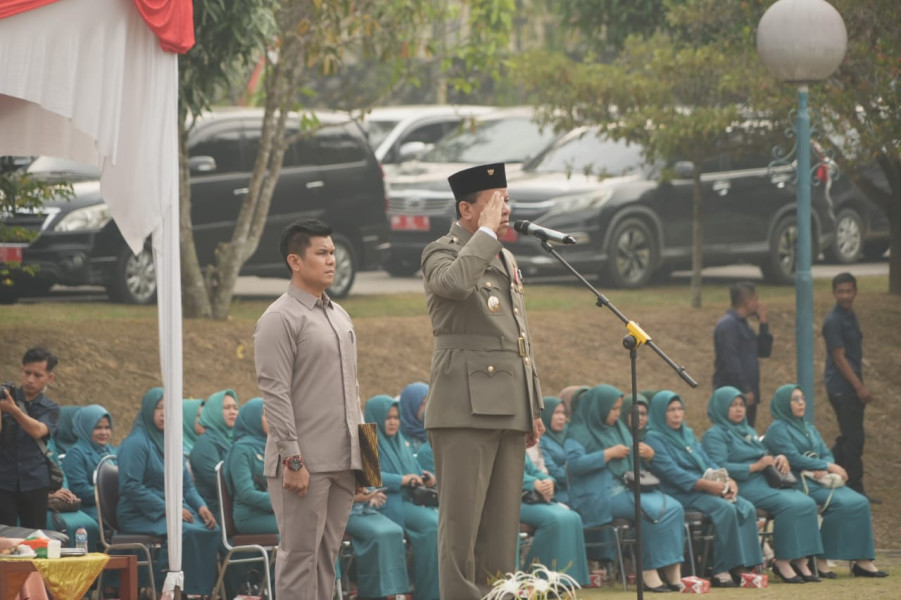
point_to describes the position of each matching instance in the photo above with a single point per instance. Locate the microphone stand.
(632, 342)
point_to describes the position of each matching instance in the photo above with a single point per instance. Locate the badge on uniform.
(494, 304)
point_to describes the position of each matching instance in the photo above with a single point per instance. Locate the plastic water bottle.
(81, 539)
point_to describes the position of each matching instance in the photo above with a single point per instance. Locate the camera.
(9, 387)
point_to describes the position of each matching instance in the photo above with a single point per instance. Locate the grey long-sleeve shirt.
(306, 361)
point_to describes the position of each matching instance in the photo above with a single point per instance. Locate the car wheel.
(400, 267)
(780, 266)
(345, 267)
(874, 250)
(848, 245)
(631, 254)
(133, 279)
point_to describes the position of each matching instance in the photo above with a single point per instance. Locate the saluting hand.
(492, 215)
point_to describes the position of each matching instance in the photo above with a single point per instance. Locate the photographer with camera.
(29, 418)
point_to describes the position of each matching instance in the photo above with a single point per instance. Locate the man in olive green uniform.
(485, 401)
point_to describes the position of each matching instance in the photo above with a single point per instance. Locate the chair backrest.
(106, 494)
(226, 504)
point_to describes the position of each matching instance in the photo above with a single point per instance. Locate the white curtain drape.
(87, 80)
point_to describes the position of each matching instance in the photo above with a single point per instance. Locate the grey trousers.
(310, 532)
(479, 474)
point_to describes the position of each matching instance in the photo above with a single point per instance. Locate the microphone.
(542, 233)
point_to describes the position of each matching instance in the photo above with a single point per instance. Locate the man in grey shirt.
(306, 361)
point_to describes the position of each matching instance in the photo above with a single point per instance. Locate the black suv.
(632, 220)
(330, 174)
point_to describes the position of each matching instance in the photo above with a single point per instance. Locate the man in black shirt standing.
(844, 378)
(28, 416)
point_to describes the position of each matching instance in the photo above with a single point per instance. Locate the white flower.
(541, 584)
(509, 585)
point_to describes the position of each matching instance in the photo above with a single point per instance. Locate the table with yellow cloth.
(66, 578)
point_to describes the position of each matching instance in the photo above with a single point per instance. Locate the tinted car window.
(227, 149)
(502, 140)
(590, 155)
(336, 146)
(302, 150)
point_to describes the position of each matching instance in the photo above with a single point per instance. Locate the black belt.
(458, 341)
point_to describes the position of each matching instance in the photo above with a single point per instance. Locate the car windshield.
(377, 131)
(51, 165)
(589, 154)
(509, 140)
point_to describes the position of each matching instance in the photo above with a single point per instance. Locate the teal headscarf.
(594, 433)
(65, 437)
(249, 423)
(249, 430)
(410, 400)
(718, 413)
(189, 416)
(683, 438)
(145, 418)
(781, 408)
(627, 406)
(395, 455)
(83, 425)
(211, 415)
(550, 405)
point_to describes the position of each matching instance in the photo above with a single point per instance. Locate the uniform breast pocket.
(495, 383)
(492, 300)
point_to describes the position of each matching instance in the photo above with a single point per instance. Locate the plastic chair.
(260, 543)
(106, 494)
(620, 528)
(698, 531)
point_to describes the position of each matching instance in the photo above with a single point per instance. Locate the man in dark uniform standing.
(485, 400)
(844, 379)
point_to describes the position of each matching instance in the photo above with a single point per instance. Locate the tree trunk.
(697, 241)
(194, 290)
(281, 84)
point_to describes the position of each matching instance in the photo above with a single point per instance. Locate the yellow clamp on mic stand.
(641, 337)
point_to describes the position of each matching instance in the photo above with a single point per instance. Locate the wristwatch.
(294, 463)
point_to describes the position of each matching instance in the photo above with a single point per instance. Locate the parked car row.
(331, 174)
(631, 220)
(380, 181)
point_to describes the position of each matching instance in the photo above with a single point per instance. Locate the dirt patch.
(112, 361)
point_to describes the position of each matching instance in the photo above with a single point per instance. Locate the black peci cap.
(476, 179)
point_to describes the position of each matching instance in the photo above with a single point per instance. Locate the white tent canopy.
(87, 80)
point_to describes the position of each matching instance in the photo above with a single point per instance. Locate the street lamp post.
(800, 42)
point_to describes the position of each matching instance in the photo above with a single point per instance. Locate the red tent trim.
(171, 20)
(14, 7)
